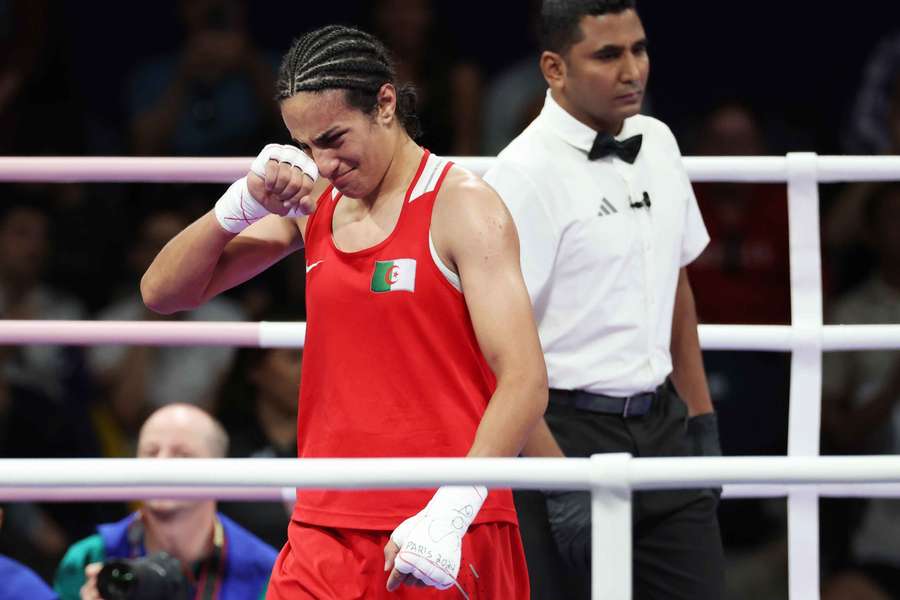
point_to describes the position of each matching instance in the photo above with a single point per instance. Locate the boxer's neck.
(402, 168)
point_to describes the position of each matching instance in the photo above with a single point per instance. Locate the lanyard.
(212, 570)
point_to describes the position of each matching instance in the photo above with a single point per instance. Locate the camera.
(155, 577)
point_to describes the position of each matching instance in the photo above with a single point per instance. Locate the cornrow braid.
(336, 57)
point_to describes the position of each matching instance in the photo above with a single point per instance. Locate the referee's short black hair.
(560, 18)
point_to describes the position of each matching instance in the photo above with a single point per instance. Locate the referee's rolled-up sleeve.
(537, 235)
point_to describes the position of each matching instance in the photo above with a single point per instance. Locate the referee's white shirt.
(601, 274)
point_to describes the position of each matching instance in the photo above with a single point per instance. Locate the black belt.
(637, 405)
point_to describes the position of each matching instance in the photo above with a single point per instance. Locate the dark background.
(796, 62)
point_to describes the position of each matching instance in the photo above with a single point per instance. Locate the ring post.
(804, 419)
(610, 527)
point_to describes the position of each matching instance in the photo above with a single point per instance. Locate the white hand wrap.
(431, 542)
(285, 154)
(237, 208)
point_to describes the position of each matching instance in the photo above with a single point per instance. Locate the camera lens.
(154, 577)
(116, 581)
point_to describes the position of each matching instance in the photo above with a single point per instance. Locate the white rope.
(149, 333)
(770, 490)
(771, 169)
(288, 334)
(68, 493)
(70, 169)
(313, 473)
(265, 479)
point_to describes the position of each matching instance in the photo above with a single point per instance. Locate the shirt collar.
(573, 131)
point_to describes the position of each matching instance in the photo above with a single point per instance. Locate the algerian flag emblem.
(398, 275)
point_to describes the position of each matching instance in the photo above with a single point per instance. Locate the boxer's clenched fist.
(280, 181)
(281, 178)
(426, 548)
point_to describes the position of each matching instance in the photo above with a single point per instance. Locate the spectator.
(515, 96)
(743, 278)
(21, 582)
(746, 262)
(861, 408)
(213, 97)
(844, 230)
(266, 428)
(448, 88)
(34, 426)
(43, 389)
(218, 556)
(873, 104)
(140, 379)
(24, 247)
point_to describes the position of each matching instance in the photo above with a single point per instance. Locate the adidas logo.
(606, 208)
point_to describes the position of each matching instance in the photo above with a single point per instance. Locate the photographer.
(218, 558)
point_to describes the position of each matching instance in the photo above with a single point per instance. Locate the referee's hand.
(703, 434)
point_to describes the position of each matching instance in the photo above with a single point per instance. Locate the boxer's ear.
(387, 104)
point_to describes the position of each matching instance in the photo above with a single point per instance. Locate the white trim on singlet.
(452, 277)
(430, 176)
(427, 182)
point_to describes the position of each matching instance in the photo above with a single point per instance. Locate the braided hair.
(336, 57)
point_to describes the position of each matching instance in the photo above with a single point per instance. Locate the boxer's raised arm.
(256, 223)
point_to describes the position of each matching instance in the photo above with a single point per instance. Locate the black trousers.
(677, 545)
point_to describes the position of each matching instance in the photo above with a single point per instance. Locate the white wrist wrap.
(431, 541)
(237, 208)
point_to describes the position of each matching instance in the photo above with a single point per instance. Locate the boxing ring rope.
(289, 334)
(118, 169)
(802, 476)
(610, 478)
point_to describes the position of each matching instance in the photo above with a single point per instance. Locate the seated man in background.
(219, 558)
(21, 582)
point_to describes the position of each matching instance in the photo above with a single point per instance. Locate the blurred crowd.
(76, 251)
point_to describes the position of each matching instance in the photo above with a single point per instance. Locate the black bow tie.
(605, 144)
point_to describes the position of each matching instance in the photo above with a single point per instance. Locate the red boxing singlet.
(391, 366)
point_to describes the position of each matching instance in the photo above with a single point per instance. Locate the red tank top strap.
(324, 210)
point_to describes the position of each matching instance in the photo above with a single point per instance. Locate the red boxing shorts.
(325, 563)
